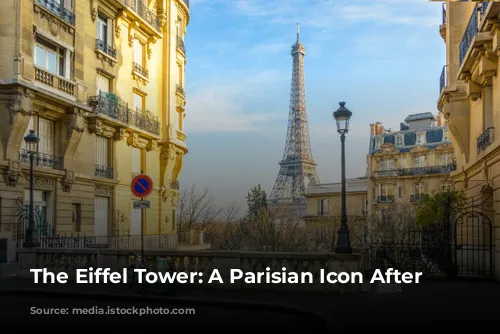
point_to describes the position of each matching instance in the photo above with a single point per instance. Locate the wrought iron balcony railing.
(104, 171)
(441, 169)
(416, 197)
(442, 79)
(112, 106)
(107, 49)
(485, 139)
(444, 13)
(179, 90)
(42, 159)
(144, 12)
(385, 199)
(180, 44)
(472, 29)
(57, 8)
(141, 70)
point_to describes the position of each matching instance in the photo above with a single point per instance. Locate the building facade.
(405, 165)
(102, 84)
(324, 205)
(469, 99)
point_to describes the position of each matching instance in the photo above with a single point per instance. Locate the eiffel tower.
(297, 168)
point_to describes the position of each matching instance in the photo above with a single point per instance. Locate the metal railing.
(107, 49)
(180, 44)
(179, 90)
(485, 139)
(442, 79)
(145, 13)
(57, 8)
(440, 169)
(112, 106)
(104, 171)
(469, 34)
(42, 159)
(416, 197)
(138, 68)
(385, 199)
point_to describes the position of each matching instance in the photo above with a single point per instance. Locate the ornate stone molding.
(21, 104)
(131, 32)
(102, 190)
(68, 180)
(93, 10)
(13, 174)
(136, 141)
(152, 145)
(42, 182)
(75, 122)
(120, 134)
(54, 23)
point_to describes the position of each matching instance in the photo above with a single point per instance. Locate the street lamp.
(342, 116)
(31, 144)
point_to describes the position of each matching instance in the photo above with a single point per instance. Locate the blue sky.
(383, 57)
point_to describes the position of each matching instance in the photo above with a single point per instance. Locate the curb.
(224, 303)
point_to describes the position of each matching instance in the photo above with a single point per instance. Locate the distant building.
(324, 208)
(405, 165)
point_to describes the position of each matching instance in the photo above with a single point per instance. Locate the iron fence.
(104, 171)
(145, 13)
(485, 139)
(470, 32)
(138, 68)
(42, 159)
(180, 44)
(442, 79)
(57, 8)
(104, 47)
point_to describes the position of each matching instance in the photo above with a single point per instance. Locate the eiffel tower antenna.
(297, 167)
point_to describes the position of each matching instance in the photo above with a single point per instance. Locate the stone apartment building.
(324, 207)
(469, 98)
(404, 165)
(102, 84)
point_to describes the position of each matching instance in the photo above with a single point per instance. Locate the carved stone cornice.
(103, 190)
(75, 121)
(22, 103)
(42, 182)
(136, 141)
(152, 145)
(97, 126)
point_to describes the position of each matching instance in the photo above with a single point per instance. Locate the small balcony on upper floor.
(105, 48)
(385, 199)
(179, 90)
(114, 108)
(104, 171)
(442, 27)
(139, 9)
(485, 139)
(58, 9)
(443, 79)
(473, 36)
(180, 45)
(55, 82)
(429, 170)
(42, 159)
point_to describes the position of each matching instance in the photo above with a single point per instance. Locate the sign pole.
(142, 231)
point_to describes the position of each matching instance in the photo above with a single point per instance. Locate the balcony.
(442, 79)
(108, 50)
(485, 139)
(472, 29)
(54, 81)
(104, 171)
(174, 185)
(416, 197)
(441, 169)
(442, 27)
(142, 71)
(112, 106)
(180, 45)
(180, 135)
(179, 90)
(144, 13)
(57, 8)
(42, 160)
(443, 14)
(385, 199)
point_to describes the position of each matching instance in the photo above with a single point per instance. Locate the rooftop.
(359, 184)
(418, 117)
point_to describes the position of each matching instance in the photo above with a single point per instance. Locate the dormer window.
(399, 140)
(378, 142)
(420, 138)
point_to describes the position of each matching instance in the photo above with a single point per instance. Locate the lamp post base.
(344, 242)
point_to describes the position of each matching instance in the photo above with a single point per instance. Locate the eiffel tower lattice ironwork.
(297, 168)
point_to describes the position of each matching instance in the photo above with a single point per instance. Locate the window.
(386, 190)
(418, 190)
(446, 186)
(102, 30)
(76, 213)
(399, 140)
(387, 164)
(102, 151)
(180, 121)
(364, 204)
(400, 193)
(378, 142)
(101, 214)
(446, 135)
(103, 84)
(138, 52)
(43, 211)
(51, 58)
(419, 161)
(138, 101)
(178, 25)
(44, 129)
(420, 138)
(180, 75)
(323, 207)
(445, 159)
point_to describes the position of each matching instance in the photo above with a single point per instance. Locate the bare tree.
(394, 223)
(196, 210)
(226, 234)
